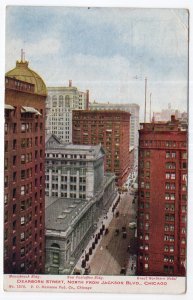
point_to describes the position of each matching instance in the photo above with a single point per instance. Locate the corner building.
(24, 188)
(162, 199)
(111, 129)
(79, 194)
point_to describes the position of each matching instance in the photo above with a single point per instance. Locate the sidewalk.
(131, 267)
(104, 220)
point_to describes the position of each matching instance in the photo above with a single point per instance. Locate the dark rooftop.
(60, 213)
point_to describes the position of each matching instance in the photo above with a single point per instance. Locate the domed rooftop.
(22, 72)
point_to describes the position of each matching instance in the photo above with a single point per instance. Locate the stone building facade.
(80, 194)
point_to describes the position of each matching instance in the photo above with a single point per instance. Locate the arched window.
(61, 98)
(54, 101)
(67, 101)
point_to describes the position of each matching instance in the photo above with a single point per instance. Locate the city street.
(112, 254)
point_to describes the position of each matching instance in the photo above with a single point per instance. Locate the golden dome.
(22, 72)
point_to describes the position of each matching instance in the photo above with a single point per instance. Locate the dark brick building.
(162, 199)
(24, 200)
(111, 129)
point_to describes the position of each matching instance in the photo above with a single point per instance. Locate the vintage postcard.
(96, 149)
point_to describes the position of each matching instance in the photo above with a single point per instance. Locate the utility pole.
(145, 99)
(150, 107)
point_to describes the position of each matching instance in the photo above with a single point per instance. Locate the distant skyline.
(106, 50)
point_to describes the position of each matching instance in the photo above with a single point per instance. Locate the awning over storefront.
(8, 106)
(26, 109)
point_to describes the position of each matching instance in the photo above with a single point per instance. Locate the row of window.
(72, 179)
(66, 163)
(168, 248)
(142, 215)
(167, 237)
(64, 187)
(166, 258)
(20, 84)
(59, 115)
(170, 217)
(144, 226)
(25, 189)
(65, 170)
(25, 158)
(23, 235)
(23, 174)
(143, 205)
(171, 176)
(24, 127)
(23, 220)
(172, 196)
(168, 165)
(167, 268)
(26, 219)
(169, 227)
(145, 185)
(170, 186)
(160, 143)
(65, 195)
(94, 116)
(27, 127)
(14, 193)
(144, 247)
(169, 154)
(146, 237)
(168, 175)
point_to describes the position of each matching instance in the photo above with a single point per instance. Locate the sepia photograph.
(96, 149)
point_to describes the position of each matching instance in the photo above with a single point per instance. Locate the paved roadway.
(112, 253)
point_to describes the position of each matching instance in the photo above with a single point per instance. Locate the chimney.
(173, 118)
(153, 118)
(87, 99)
(70, 83)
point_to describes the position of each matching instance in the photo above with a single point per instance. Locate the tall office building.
(162, 198)
(128, 107)
(111, 129)
(24, 204)
(59, 105)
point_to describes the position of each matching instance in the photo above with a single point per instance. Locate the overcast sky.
(108, 51)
